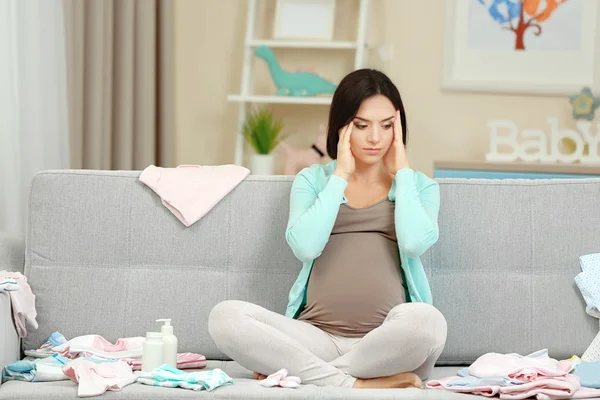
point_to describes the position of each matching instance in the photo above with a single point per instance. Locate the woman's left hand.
(395, 158)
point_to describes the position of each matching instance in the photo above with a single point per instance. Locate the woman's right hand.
(345, 159)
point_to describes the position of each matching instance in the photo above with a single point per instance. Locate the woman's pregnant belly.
(354, 284)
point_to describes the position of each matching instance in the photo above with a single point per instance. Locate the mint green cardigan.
(315, 199)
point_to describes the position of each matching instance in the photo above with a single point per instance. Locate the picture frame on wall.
(304, 20)
(551, 48)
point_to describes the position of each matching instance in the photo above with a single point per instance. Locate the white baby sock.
(281, 379)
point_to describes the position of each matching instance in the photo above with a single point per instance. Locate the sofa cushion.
(244, 387)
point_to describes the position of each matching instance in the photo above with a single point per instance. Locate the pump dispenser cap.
(167, 327)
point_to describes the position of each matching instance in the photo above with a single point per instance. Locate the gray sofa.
(104, 256)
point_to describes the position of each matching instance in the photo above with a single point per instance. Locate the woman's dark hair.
(350, 93)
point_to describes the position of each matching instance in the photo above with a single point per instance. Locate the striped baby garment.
(167, 376)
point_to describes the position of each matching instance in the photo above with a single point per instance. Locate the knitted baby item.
(281, 379)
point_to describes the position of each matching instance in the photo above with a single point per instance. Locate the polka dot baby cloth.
(588, 281)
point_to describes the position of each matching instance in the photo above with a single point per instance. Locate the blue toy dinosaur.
(294, 83)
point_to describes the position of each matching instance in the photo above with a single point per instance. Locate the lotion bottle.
(169, 343)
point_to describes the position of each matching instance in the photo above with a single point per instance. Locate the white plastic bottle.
(170, 343)
(152, 351)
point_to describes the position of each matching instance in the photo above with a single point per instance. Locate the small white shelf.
(280, 99)
(298, 44)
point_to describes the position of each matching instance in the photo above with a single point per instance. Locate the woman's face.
(373, 132)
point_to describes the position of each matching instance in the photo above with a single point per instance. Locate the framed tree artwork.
(549, 47)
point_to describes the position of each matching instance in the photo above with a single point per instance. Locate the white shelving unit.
(297, 44)
(279, 99)
(244, 98)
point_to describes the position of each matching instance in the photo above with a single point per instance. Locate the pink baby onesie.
(96, 378)
(23, 303)
(96, 345)
(191, 191)
(517, 367)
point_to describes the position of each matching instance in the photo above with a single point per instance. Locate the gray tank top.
(356, 281)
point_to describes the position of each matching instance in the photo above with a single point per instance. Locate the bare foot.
(403, 380)
(258, 376)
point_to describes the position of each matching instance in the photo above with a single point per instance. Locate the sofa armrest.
(10, 344)
(12, 258)
(12, 253)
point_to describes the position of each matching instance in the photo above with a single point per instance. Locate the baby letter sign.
(532, 144)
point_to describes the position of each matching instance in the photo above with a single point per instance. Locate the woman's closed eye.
(386, 126)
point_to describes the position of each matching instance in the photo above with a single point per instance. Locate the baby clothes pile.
(128, 350)
(513, 376)
(92, 362)
(98, 365)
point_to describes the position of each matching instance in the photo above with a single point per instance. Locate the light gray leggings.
(411, 338)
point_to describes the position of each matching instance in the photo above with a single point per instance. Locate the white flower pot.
(262, 164)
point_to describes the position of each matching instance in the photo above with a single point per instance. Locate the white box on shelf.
(324, 100)
(304, 19)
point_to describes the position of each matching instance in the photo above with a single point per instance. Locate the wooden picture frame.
(484, 53)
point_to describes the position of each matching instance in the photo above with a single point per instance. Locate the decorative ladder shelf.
(244, 98)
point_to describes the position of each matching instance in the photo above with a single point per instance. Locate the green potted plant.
(263, 132)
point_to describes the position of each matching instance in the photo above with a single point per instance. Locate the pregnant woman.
(360, 313)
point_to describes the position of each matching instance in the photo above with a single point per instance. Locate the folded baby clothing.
(167, 376)
(471, 385)
(95, 378)
(542, 389)
(281, 379)
(467, 380)
(548, 388)
(191, 191)
(46, 349)
(589, 374)
(22, 301)
(36, 369)
(517, 367)
(184, 361)
(8, 284)
(96, 345)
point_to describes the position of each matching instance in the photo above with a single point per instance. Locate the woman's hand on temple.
(395, 158)
(345, 159)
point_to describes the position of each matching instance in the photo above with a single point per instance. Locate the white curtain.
(34, 132)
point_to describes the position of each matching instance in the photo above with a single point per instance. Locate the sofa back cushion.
(104, 256)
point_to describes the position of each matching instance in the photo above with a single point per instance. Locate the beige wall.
(208, 55)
